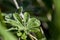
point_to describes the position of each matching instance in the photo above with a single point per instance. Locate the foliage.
(6, 35)
(24, 26)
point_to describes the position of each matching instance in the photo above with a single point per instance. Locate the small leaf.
(12, 29)
(33, 22)
(24, 36)
(19, 34)
(35, 30)
(8, 16)
(26, 16)
(17, 17)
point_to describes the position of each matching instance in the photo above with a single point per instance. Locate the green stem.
(19, 38)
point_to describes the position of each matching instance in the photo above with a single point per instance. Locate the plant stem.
(32, 37)
(19, 38)
(16, 4)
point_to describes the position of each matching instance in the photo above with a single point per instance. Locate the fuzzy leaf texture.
(26, 16)
(25, 24)
(33, 22)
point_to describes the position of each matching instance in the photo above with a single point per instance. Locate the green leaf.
(12, 29)
(39, 35)
(9, 15)
(24, 36)
(17, 17)
(35, 30)
(33, 22)
(19, 34)
(26, 16)
(5, 34)
(12, 22)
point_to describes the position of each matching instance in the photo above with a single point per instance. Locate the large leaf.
(15, 23)
(12, 22)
